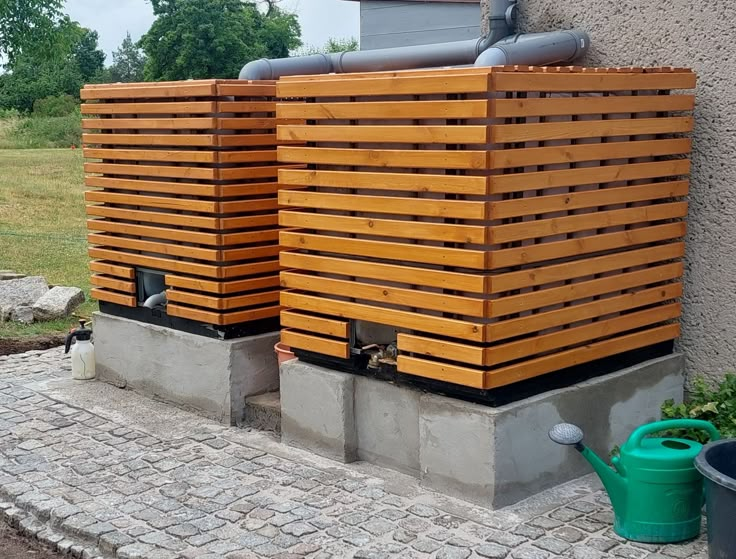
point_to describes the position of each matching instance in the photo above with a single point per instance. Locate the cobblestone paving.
(91, 487)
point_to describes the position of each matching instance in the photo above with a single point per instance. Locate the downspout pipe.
(537, 49)
(502, 19)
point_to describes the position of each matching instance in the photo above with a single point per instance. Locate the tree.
(87, 55)
(74, 61)
(127, 62)
(28, 25)
(332, 45)
(214, 38)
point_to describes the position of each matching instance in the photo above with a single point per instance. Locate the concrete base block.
(210, 376)
(317, 410)
(490, 456)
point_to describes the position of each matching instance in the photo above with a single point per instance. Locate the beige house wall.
(702, 36)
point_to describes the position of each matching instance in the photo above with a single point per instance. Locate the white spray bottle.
(83, 353)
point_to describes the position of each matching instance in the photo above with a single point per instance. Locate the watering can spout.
(616, 485)
(613, 481)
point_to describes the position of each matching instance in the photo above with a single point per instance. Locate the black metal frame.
(357, 364)
(160, 318)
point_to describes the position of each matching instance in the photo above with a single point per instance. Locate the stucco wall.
(702, 36)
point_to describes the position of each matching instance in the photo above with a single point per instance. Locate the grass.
(42, 224)
(40, 132)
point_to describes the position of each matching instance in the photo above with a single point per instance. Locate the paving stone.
(378, 526)
(423, 511)
(426, 546)
(298, 529)
(529, 553)
(569, 534)
(628, 552)
(492, 551)
(403, 536)
(527, 531)
(112, 541)
(585, 552)
(452, 552)
(135, 551)
(602, 544)
(545, 522)
(182, 530)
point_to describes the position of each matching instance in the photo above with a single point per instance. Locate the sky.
(320, 19)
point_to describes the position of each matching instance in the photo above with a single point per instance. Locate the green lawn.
(42, 224)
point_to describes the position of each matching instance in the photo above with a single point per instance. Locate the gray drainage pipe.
(502, 24)
(500, 47)
(536, 49)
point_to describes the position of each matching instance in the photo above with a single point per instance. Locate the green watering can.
(655, 490)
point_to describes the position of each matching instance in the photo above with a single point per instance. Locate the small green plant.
(715, 405)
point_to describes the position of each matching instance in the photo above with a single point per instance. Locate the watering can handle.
(650, 428)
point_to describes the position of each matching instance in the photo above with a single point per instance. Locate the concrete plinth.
(490, 456)
(210, 376)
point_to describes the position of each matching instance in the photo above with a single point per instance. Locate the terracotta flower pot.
(283, 352)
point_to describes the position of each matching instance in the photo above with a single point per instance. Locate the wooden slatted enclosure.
(184, 184)
(506, 222)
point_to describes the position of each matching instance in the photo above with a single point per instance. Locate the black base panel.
(160, 318)
(497, 396)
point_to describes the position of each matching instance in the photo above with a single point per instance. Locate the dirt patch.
(14, 546)
(9, 346)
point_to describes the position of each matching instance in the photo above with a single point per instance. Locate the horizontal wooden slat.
(186, 251)
(246, 106)
(113, 283)
(583, 222)
(181, 235)
(248, 205)
(164, 156)
(116, 270)
(240, 123)
(318, 324)
(194, 123)
(222, 287)
(181, 107)
(445, 372)
(152, 170)
(429, 159)
(410, 182)
(396, 134)
(185, 204)
(379, 315)
(474, 259)
(586, 353)
(506, 329)
(589, 129)
(443, 349)
(130, 91)
(165, 264)
(539, 275)
(193, 140)
(317, 344)
(572, 336)
(222, 303)
(409, 85)
(163, 187)
(517, 182)
(532, 81)
(250, 253)
(585, 245)
(385, 110)
(384, 227)
(220, 318)
(247, 89)
(536, 205)
(165, 218)
(113, 297)
(580, 105)
(475, 283)
(383, 294)
(503, 158)
(458, 209)
(580, 290)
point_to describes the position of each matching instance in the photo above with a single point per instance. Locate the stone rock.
(23, 314)
(6, 275)
(58, 302)
(22, 292)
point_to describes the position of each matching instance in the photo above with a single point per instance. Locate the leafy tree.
(74, 61)
(332, 45)
(87, 55)
(28, 25)
(214, 38)
(127, 63)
